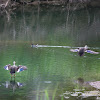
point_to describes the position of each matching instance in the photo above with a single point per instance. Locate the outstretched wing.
(7, 67)
(21, 68)
(74, 50)
(20, 84)
(92, 52)
(6, 84)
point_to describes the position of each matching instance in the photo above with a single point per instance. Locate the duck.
(81, 51)
(13, 68)
(91, 84)
(34, 46)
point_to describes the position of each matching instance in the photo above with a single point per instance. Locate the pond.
(54, 72)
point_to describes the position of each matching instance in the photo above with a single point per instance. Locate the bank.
(69, 4)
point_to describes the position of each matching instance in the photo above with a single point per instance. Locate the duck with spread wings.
(82, 50)
(13, 68)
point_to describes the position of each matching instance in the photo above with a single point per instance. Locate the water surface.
(53, 70)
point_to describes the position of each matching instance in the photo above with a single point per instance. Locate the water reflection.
(81, 26)
(80, 94)
(84, 89)
(12, 84)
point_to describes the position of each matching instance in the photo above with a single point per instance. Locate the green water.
(52, 71)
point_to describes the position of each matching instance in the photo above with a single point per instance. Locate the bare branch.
(7, 3)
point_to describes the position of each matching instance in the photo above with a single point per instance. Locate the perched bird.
(82, 50)
(13, 68)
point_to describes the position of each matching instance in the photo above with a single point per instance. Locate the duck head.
(86, 47)
(14, 64)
